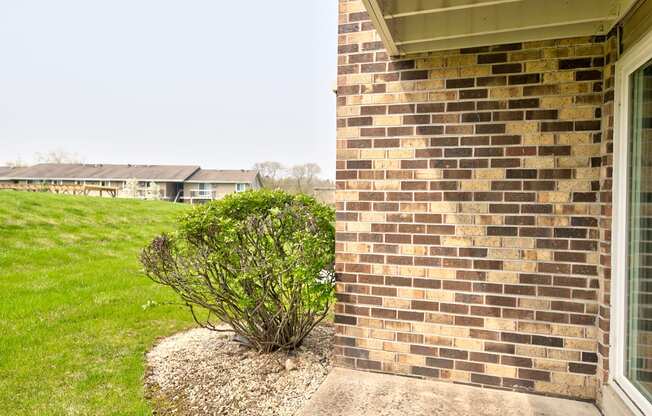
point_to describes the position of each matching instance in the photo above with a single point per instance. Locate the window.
(632, 229)
(205, 189)
(240, 187)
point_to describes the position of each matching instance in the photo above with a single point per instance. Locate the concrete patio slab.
(356, 393)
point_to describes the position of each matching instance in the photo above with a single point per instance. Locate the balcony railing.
(203, 194)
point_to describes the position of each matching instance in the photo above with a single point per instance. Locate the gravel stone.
(202, 372)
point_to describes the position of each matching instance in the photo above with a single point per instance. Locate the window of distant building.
(240, 187)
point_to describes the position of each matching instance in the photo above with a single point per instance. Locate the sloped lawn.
(73, 329)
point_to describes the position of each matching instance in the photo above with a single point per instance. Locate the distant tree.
(130, 188)
(297, 179)
(18, 163)
(270, 169)
(304, 176)
(58, 156)
(153, 191)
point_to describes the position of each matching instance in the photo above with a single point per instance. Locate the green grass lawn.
(73, 330)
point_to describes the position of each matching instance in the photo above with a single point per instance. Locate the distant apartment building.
(179, 183)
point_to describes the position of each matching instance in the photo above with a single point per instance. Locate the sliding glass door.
(638, 347)
(632, 230)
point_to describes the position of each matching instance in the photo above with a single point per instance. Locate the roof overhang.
(55, 178)
(216, 181)
(416, 26)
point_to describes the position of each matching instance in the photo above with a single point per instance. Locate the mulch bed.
(202, 372)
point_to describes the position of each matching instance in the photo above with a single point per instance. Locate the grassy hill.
(73, 329)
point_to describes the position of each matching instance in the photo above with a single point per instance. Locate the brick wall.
(473, 218)
(605, 217)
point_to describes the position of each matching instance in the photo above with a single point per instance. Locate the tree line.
(298, 178)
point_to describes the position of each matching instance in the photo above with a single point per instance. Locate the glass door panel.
(638, 360)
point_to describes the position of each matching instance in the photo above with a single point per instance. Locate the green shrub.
(260, 261)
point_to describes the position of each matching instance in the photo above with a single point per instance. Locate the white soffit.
(415, 26)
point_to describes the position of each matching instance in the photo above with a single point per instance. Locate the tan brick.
(411, 359)
(475, 208)
(541, 65)
(445, 73)
(551, 365)
(557, 77)
(475, 186)
(518, 242)
(387, 185)
(568, 379)
(489, 173)
(538, 139)
(452, 241)
(369, 343)
(400, 153)
(454, 331)
(502, 277)
(383, 164)
(382, 356)
(443, 207)
(438, 340)
(394, 303)
(530, 351)
(519, 266)
(396, 347)
(505, 92)
(503, 254)
(441, 273)
(539, 163)
(433, 62)
(468, 344)
(500, 324)
(428, 174)
(387, 120)
(414, 250)
(475, 71)
(553, 197)
(555, 101)
(460, 60)
(522, 127)
(537, 304)
(382, 334)
(440, 295)
(412, 271)
(415, 142)
(393, 87)
(487, 241)
(458, 219)
(500, 370)
(468, 230)
(563, 355)
(534, 327)
(581, 344)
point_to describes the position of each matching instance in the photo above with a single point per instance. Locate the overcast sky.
(222, 84)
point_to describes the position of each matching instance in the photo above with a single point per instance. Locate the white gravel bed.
(202, 372)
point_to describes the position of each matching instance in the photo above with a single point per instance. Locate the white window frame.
(244, 187)
(632, 60)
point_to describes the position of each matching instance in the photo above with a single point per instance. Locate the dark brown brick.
(506, 68)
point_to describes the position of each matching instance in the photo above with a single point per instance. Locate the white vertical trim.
(632, 60)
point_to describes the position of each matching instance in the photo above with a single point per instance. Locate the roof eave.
(409, 27)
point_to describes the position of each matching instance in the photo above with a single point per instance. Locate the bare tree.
(58, 156)
(270, 171)
(304, 175)
(17, 163)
